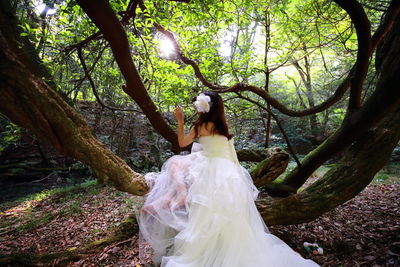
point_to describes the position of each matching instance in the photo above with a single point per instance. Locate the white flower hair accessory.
(203, 103)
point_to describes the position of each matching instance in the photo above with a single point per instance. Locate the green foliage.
(390, 174)
(10, 133)
(228, 39)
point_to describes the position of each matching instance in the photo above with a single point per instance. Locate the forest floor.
(364, 231)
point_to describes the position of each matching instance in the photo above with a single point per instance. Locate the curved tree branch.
(105, 19)
(341, 90)
(363, 31)
(390, 17)
(185, 59)
(355, 77)
(349, 177)
(382, 101)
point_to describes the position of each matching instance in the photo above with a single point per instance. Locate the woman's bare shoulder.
(206, 128)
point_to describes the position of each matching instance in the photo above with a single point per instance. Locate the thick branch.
(253, 155)
(349, 177)
(363, 30)
(105, 19)
(28, 101)
(271, 167)
(390, 17)
(282, 108)
(383, 100)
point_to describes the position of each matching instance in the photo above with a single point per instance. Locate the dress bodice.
(218, 146)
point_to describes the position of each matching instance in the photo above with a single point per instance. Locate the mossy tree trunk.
(359, 120)
(374, 130)
(274, 164)
(341, 183)
(30, 102)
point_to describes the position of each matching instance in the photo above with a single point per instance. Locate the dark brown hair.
(216, 115)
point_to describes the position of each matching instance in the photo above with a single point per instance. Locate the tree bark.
(30, 102)
(273, 165)
(364, 51)
(382, 101)
(257, 155)
(341, 183)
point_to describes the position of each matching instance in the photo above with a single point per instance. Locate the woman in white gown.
(200, 210)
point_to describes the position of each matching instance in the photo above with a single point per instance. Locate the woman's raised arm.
(184, 140)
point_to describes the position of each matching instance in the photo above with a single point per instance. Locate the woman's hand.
(178, 113)
(183, 140)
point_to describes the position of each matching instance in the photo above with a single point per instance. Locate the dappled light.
(289, 111)
(16, 211)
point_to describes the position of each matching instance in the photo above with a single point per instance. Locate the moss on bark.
(271, 167)
(31, 103)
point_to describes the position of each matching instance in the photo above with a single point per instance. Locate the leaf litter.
(364, 231)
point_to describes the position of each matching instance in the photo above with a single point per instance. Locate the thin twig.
(279, 126)
(96, 94)
(80, 81)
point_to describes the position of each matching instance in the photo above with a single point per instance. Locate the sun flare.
(166, 47)
(40, 8)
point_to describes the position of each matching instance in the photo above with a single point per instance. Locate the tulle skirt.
(200, 212)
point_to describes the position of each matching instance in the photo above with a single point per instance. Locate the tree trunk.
(382, 101)
(341, 183)
(28, 101)
(28, 54)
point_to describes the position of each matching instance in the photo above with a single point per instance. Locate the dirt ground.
(365, 231)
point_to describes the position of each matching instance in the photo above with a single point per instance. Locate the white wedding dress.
(200, 212)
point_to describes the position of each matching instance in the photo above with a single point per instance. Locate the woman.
(200, 211)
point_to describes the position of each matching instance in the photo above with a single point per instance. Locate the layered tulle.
(200, 212)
